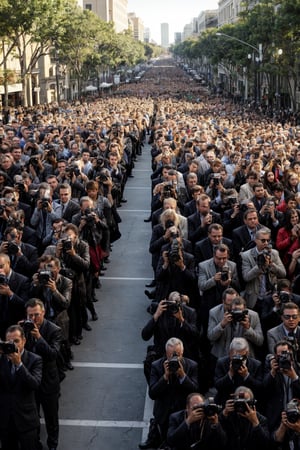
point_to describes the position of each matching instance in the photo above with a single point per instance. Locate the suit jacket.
(275, 395)
(270, 318)
(70, 211)
(241, 240)
(181, 436)
(251, 274)
(210, 290)
(168, 326)
(26, 264)
(171, 396)
(278, 334)
(220, 338)
(203, 249)
(258, 204)
(190, 208)
(17, 394)
(47, 347)
(12, 309)
(174, 279)
(29, 236)
(246, 192)
(226, 386)
(195, 231)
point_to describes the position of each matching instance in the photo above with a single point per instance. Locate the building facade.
(164, 32)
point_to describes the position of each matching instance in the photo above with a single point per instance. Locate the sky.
(176, 13)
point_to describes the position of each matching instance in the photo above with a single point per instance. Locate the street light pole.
(259, 60)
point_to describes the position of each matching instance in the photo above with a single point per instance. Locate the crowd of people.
(223, 365)
(63, 171)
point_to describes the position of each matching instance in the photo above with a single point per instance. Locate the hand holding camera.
(196, 414)
(206, 220)
(227, 319)
(161, 308)
(15, 357)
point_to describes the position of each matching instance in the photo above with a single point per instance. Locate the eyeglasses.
(264, 240)
(290, 316)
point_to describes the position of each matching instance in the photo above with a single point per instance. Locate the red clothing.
(285, 245)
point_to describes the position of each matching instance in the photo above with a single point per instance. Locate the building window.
(88, 6)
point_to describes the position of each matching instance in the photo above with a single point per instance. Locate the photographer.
(199, 222)
(214, 276)
(172, 378)
(172, 317)
(14, 289)
(197, 426)
(261, 268)
(23, 257)
(65, 207)
(271, 305)
(175, 270)
(232, 319)
(237, 369)
(245, 427)
(74, 257)
(287, 434)
(288, 329)
(281, 382)
(43, 214)
(44, 339)
(204, 249)
(20, 378)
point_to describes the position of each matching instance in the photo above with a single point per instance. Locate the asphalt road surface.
(104, 403)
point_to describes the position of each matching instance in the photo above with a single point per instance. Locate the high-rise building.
(110, 11)
(164, 31)
(137, 26)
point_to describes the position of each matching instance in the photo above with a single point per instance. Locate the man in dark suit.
(172, 378)
(20, 378)
(199, 222)
(44, 340)
(175, 271)
(269, 308)
(204, 249)
(23, 257)
(259, 199)
(237, 369)
(13, 294)
(288, 329)
(192, 426)
(65, 207)
(191, 206)
(243, 237)
(281, 383)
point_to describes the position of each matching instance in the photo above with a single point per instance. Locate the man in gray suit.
(215, 275)
(261, 268)
(232, 319)
(288, 330)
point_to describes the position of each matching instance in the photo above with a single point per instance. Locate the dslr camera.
(73, 170)
(3, 279)
(173, 306)
(237, 362)
(225, 273)
(216, 178)
(169, 191)
(44, 276)
(89, 216)
(293, 411)
(8, 347)
(66, 244)
(27, 326)
(174, 252)
(261, 258)
(284, 360)
(239, 315)
(174, 363)
(240, 403)
(45, 202)
(284, 297)
(209, 407)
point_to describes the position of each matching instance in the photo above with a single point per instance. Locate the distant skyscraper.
(110, 11)
(164, 30)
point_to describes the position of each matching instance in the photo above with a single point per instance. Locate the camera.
(34, 161)
(89, 216)
(169, 191)
(45, 203)
(8, 347)
(3, 280)
(237, 362)
(284, 360)
(225, 273)
(173, 306)
(73, 170)
(216, 177)
(293, 411)
(261, 258)
(231, 201)
(44, 276)
(240, 403)
(174, 363)
(66, 244)
(174, 252)
(27, 326)
(239, 315)
(284, 297)
(20, 185)
(12, 248)
(209, 407)
(169, 223)
(103, 177)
